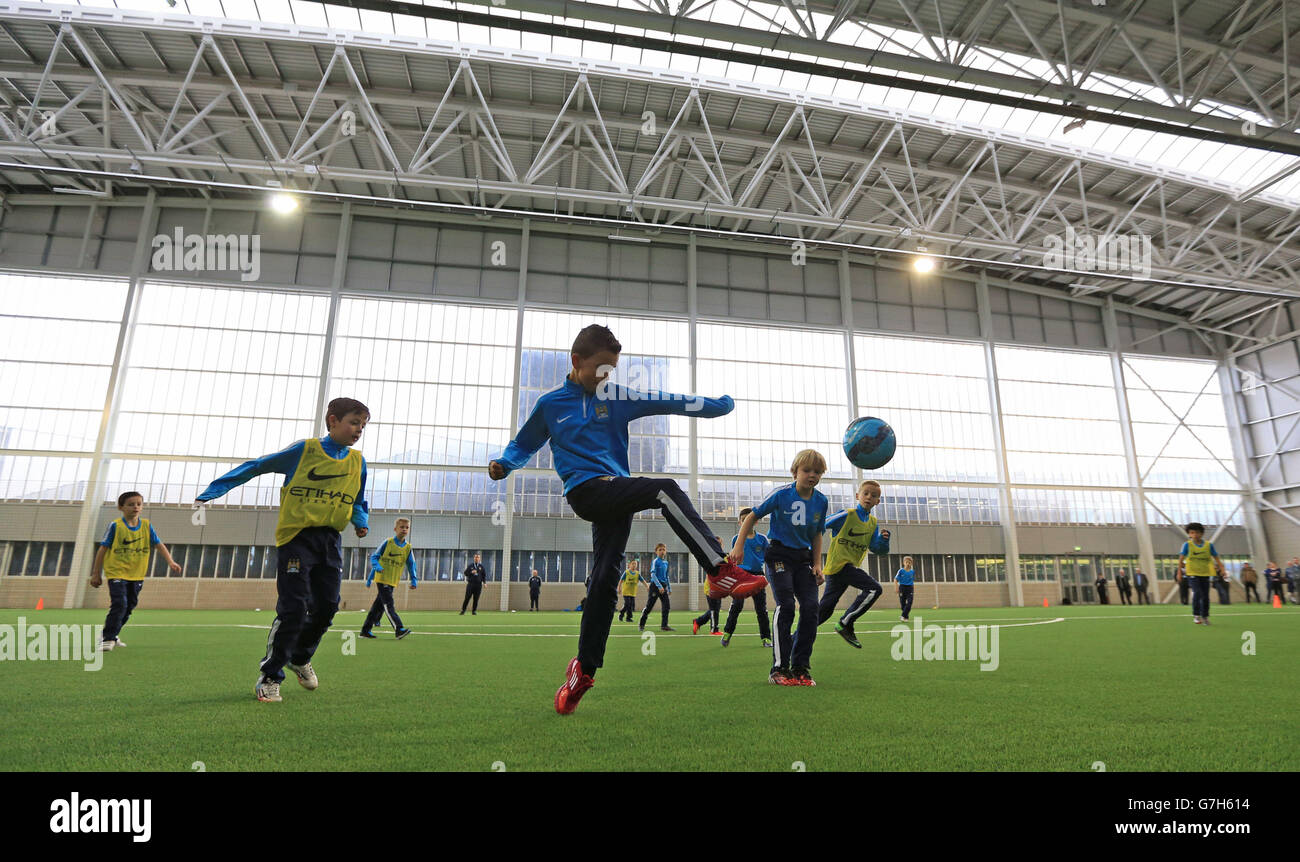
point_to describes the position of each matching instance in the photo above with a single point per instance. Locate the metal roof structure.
(104, 102)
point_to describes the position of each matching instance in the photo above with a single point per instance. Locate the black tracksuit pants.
(760, 608)
(123, 595)
(789, 571)
(836, 584)
(1200, 595)
(609, 504)
(383, 603)
(473, 589)
(905, 594)
(712, 614)
(656, 595)
(309, 572)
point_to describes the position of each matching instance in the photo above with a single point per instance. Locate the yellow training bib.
(392, 563)
(852, 542)
(631, 580)
(128, 558)
(320, 493)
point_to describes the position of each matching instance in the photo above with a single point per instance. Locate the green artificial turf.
(1137, 688)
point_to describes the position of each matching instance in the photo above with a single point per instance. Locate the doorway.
(1078, 573)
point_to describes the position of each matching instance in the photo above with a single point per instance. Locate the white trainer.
(107, 646)
(267, 690)
(306, 676)
(119, 642)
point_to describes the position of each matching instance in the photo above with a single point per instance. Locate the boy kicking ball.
(586, 421)
(387, 565)
(324, 489)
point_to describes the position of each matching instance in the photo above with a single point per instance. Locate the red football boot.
(575, 686)
(732, 580)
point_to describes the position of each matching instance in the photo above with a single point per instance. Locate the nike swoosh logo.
(562, 420)
(863, 533)
(320, 477)
(130, 541)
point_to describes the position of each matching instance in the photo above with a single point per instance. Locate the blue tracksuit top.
(659, 574)
(588, 433)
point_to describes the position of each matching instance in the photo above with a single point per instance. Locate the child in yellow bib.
(324, 489)
(388, 563)
(123, 558)
(1195, 561)
(628, 587)
(855, 532)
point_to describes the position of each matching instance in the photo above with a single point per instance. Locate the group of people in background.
(1283, 583)
(1125, 587)
(1277, 582)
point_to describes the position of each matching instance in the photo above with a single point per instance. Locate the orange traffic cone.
(1277, 600)
(1044, 601)
(40, 604)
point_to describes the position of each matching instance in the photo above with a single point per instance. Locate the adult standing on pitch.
(1292, 578)
(1249, 580)
(534, 591)
(1124, 587)
(1140, 582)
(1101, 589)
(475, 575)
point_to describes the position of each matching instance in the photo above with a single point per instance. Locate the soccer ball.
(869, 442)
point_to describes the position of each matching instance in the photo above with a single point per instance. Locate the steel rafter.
(818, 170)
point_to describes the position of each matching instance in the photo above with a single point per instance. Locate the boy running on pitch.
(324, 489)
(387, 564)
(854, 532)
(631, 580)
(586, 420)
(123, 556)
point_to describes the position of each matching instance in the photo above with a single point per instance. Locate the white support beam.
(1010, 538)
(87, 526)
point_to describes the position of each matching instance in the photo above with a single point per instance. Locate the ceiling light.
(283, 203)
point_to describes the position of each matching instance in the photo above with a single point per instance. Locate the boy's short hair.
(341, 407)
(595, 339)
(122, 498)
(661, 545)
(865, 482)
(744, 513)
(1195, 525)
(402, 521)
(809, 458)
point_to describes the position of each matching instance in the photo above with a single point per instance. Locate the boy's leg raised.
(870, 591)
(608, 499)
(835, 587)
(608, 539)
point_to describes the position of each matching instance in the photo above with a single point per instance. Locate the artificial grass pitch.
(1136, 688)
